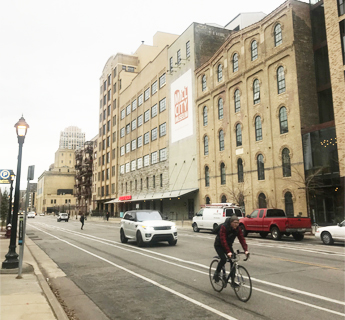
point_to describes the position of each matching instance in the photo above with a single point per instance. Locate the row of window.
(54, 201)
(124, 189)
(283, 124)
(178, 57)
(262, 203)
(278, 40)
(143, 97)
(145, 161)
(136, 123)
(138, 142)
(286, 167)
(281, 88)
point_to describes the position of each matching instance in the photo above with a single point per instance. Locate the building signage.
(122, 198)
(5, 176)
(181, 97)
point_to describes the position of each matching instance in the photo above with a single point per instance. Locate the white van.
(211, 216)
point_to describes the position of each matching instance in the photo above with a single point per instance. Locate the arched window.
(256, 91)
(222, 173)
(203, 82)
(237, 100)
(238, 135)
(262, 201)
(261, 167)
(240, 170)
(205, 116)
(220, 108)
(223, 199)
(207, 177)
(288, 204)
(283, 120)
(208, 200)
(235, 62)
(221, 140)
(278, 39)
(206, 145)
(286, 162)
(258, 128)
(254, 50)
(281, 79)
(220, 73)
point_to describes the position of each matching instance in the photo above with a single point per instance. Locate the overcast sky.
(53, 52)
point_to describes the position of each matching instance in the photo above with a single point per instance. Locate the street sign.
(5, 176)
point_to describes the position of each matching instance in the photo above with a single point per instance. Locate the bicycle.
(243, 288)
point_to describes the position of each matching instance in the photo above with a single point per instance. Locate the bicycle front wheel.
(242, 279)
(217, 284)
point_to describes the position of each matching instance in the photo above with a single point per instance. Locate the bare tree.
(237, 193)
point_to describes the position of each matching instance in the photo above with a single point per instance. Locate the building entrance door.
(190, 209)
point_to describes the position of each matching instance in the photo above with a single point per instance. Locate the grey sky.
(53, 53)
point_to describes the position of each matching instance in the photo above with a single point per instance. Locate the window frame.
(254, 50)
(258, 128)
(278, 36)
(286, 162)
(235, 62)
(281, 84)
(283, 122)
(205, 118)
(205, 145)
(260, 167)
(238, 135)
(219, 72)
(203, 83)
(256, 91)
(220, 109)
(240, 170)
(221, 140)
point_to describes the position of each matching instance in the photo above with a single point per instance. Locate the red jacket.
(227, 238)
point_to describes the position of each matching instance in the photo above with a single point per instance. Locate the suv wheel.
(140, 241)
(123, 237)
(172, 242)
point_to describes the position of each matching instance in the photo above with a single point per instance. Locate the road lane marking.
(301, 302)
(123, 247)
(200, 304)
(307, 263)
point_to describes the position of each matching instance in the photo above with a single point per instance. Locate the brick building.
(254, 96)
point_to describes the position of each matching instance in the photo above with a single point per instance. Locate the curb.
(50, 296)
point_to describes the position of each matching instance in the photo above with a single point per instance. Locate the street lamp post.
(10, 206)
(12, 261)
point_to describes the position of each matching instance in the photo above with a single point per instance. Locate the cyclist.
(223, 245)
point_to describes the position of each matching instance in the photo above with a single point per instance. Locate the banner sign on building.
(181, 99)
(5, 176)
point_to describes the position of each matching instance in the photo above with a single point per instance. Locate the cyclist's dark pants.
(223, 257)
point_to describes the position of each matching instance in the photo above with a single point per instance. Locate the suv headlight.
(147, 228)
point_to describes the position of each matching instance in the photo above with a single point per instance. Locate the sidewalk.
(28, 298)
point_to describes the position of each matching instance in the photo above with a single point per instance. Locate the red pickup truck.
(274, 221)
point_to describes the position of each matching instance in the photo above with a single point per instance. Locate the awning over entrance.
(155, 195)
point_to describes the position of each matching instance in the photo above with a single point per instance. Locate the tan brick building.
(253, 97)
(55, 187)
(118, 74)
(335, 29)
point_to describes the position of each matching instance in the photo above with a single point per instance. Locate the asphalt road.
(105, 279)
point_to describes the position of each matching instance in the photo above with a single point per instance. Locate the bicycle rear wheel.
(242, 278)
(216, 285)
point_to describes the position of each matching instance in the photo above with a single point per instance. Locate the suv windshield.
(148, 215)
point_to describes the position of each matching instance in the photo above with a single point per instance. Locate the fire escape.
(83, 178)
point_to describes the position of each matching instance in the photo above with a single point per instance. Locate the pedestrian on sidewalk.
(107, 215)
(82, 219)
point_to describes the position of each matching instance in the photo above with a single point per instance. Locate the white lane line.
(105, 241)
(204, 306)
(301, 302)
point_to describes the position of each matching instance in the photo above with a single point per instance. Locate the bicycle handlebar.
(238, 252)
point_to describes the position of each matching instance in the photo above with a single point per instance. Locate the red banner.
(125, 198)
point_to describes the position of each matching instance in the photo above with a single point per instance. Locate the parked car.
(42, 214)
(31, 215)
(147, 226)
(211, 216)
(330, 234)
(275, 221)
(62, 216)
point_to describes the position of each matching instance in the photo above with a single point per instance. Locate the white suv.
(62, 216)
(145, 226)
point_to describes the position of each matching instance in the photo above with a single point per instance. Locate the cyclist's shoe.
(234, 285)
(216, 276)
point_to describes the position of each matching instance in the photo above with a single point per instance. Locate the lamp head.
(21, 127)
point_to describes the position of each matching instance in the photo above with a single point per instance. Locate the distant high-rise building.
(71, 138)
